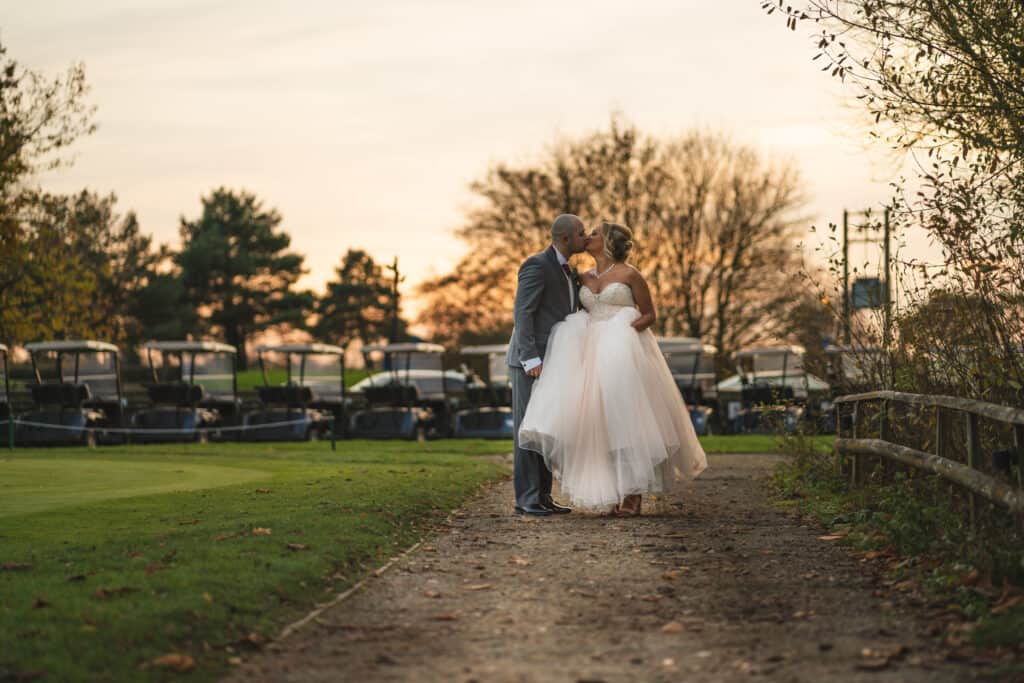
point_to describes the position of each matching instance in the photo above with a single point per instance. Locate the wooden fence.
(1003, 489)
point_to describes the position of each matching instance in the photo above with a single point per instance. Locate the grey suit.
(543, 298)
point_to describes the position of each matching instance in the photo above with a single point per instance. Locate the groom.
(546, 294)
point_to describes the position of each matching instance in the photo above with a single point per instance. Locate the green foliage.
(120, 574)
(914, 518)
(360, 303)
(237, 271)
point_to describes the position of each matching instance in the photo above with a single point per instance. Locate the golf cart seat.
(63, 394)
(392, 395)
(175, 394)
(692, 395)
(288, 394)
(489, 396)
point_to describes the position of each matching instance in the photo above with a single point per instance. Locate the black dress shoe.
(533, 509)
(555, 508)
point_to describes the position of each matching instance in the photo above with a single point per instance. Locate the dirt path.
(747, 589)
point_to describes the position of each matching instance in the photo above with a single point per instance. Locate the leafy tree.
(943, 81)
(39, 118)
(237, 270)
(358, 304)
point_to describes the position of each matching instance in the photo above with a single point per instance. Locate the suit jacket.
(542, 299)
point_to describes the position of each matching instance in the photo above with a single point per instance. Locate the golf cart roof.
(752, 351)
(734, 384)
(195, 346)
(405, 347)
(3, 348)
(681, 344)
(485, 350)
(856, 348)
(302, 348)
(78, 345)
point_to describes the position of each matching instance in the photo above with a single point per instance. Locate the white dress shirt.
(534, 362)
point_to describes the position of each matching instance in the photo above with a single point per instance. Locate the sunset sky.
(364, 122)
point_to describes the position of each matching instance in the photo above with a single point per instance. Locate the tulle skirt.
(606, 414)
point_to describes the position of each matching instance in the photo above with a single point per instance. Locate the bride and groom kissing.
(593, 400)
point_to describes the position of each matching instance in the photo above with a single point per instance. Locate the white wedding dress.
(605, 412)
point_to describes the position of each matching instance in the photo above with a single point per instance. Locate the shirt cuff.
(531, 364)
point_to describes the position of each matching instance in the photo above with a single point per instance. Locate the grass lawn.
(248, 380)
(110, 558)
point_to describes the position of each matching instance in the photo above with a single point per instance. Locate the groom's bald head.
(565, 225)
(568, 234)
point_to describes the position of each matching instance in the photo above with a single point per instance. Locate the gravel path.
(713, 585)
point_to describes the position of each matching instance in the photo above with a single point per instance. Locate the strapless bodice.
(613, 298)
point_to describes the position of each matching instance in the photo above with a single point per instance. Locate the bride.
(606, 413)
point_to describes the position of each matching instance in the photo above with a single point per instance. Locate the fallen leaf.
(479, 587)
(169, 556)
(428, 549)
(873, 664)
(234, 661)
(134, 555)
(261, 531)
(262, 490)
(445, 616)
(671, 575)
(831, 537)
(672, 627)
(224, 537)
(155, 567)
(431, 594)
(207, 598)
(174, 662)
(297, 546)
(519, 561)
(107, 593)
(15, 566)
(189, 522)
(1006, 604)
(40, 603)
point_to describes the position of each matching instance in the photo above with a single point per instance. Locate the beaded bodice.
(613, 298)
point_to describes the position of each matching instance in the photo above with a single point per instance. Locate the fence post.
(857, 463)
(1018, 445)
(973, 446)
(885, 434)
(10, 430)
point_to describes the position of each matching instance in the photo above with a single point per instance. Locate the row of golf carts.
(192, 394)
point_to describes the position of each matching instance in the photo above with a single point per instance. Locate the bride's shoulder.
(632, 273)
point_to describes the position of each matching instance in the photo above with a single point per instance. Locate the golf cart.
(194, 391)
(693, 368)
(310, 400)
(79, 400)
(5, 389)
(851, 370)
(488, 395)
(411, 396)
(771, 390)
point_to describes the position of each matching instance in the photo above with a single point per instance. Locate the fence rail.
(1000, 490)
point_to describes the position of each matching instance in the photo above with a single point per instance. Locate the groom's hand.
(535, 372)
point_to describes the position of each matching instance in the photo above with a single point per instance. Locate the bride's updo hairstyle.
(618, 240)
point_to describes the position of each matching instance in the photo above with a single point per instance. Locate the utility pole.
(396, 279)
(886, 271)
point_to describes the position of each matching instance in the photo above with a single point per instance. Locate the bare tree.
(716, 228)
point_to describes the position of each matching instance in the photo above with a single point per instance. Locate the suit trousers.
(531, 477)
